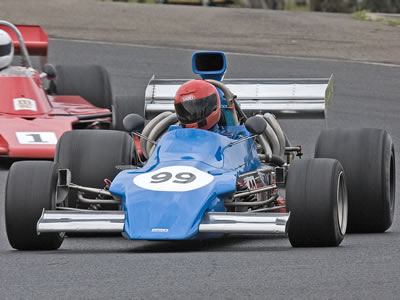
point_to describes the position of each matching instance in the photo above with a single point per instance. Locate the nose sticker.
(173, 179)
(36, 138)
(24, 104)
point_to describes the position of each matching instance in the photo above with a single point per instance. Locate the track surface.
(257, 267)
(262, 31)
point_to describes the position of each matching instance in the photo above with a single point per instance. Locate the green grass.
(361, 15)
(393, 22)
(291, 5)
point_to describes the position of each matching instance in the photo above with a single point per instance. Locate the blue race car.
(172, 182)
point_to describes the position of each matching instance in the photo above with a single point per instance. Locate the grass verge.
(366, 15)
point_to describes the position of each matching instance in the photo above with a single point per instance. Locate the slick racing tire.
(30, 188)
(91, 82)
(125, 105)
(316, 198)
(368, 158)
(92, 157)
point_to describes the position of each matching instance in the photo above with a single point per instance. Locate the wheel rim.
(392, 181)
(342, 203)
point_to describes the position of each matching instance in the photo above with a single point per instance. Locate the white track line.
(231, 53)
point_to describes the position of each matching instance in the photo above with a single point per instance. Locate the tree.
(389, 6)
(315, 5)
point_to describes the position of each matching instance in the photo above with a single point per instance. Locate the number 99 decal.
(173, 179)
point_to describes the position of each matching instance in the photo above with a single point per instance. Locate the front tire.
(92, 156)
(316, 198)
(30, 188)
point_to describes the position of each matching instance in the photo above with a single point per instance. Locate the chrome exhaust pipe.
(81, 221)
(245, 223)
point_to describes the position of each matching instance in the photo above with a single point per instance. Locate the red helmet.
(197, 104)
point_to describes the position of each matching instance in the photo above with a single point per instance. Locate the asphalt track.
(236, 267)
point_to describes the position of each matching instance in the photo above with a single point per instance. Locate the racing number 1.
(183, 177)
(36, 138)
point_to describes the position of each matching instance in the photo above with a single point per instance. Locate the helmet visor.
(193, 111)
(5, 49)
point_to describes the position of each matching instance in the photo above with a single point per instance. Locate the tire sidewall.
(387, 177)
(30, 188)
(314, 217)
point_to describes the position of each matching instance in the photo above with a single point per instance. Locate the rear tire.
(91, 82)
(125, 105)
(92, 156)
(316, 198)
(30, 188)
(368, 158)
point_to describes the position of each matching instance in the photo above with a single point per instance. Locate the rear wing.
(27, 40)
(285, 98)
(36, 40)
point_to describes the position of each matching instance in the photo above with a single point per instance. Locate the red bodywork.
(35, 38)
(31, 121)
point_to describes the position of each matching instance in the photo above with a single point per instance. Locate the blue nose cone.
(157, 210)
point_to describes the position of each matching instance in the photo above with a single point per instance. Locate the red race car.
(32, 117)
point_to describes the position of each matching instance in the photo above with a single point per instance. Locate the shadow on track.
(232, 243)
(225, 244)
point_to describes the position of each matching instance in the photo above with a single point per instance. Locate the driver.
(6, 50)
(197, 105)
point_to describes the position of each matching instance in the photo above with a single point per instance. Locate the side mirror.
(133, 123)
(256, 125)
(50, 71)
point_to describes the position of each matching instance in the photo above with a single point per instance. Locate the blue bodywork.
(160, 215)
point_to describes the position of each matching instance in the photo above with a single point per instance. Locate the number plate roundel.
(173, 179)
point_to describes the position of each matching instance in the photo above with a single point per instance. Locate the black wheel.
(125, 105)
(368, 158)
(92, 156)
(30, 188)
(316, 198)
(91, 82)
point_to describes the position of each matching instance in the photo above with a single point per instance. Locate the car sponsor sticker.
(173, 179)
(159, 230)
(188, 97)
(24, 104)
(37, 138)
